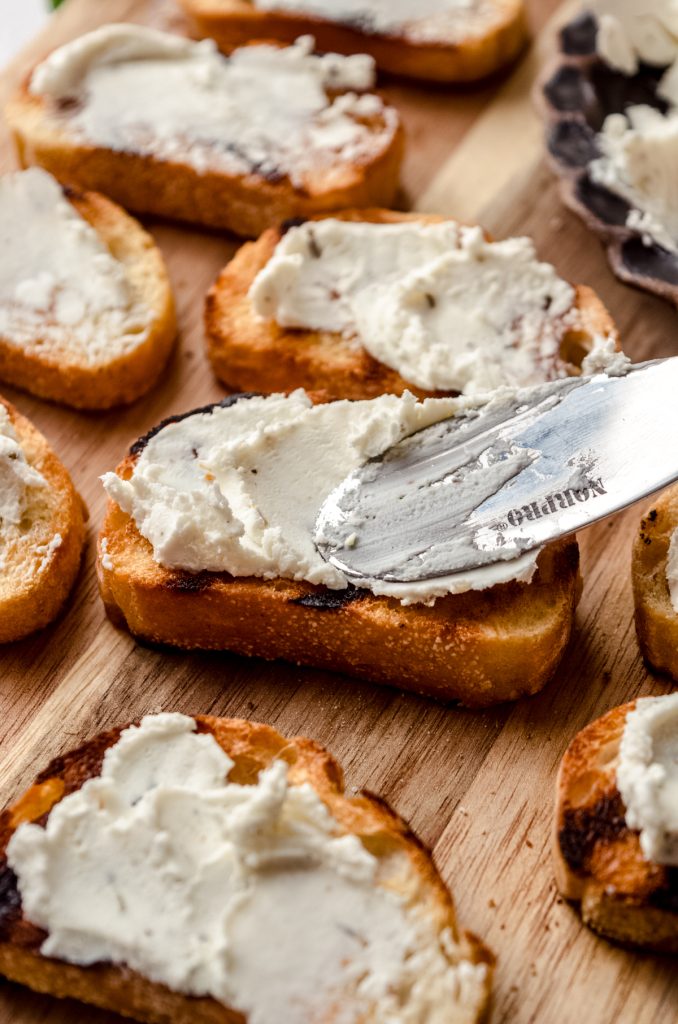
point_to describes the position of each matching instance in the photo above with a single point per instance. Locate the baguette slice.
(249, 353)
(245, 203)
(492, 42)
(252, 747)
(656, 618)
(45, 372)
(36, 578)
(598, 860)
(479, 648)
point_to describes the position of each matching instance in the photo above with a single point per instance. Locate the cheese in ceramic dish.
(639, 148)
(635, 31)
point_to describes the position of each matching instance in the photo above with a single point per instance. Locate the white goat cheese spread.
(639, 161)
(18, 483)
(446, 309)
(17, 476)
(264, 109)
(631, 31)
(420, 21)
(639, 148)
(251, 894)
(61, 289)
(239, 489)
(647, 776)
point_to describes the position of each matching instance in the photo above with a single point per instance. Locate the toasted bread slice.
(253, 748)
(249, 353)
(63, 374)
(598, 859)
(245, 203)
(489, 40)
(38, 571)
(479, 648)
(656, 618)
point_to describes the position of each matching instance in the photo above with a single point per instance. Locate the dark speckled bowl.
(578, 92)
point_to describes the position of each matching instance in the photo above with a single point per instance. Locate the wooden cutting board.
(477, 787)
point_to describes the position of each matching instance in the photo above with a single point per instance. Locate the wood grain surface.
(477, 787)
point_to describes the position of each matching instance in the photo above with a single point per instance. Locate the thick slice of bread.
(252, 747)
(656, 618)
(494, 39)
(480, 647)
(71, 380)
(598, 859)
(249, 353)
(36, 577)
(243, 203)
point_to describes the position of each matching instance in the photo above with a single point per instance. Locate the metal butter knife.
(504, 478)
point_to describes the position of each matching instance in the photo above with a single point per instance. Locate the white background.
(19, 20)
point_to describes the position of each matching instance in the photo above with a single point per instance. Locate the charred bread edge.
(643, 908)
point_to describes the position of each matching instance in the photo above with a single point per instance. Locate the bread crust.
(27, 605)
(598, 860)
(253, 747)
(479, 648)
(40, 370)
(248, 353)
(244, 203)
(233, 23)
(656, 618)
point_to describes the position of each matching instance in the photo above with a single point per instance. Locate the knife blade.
(504, 478)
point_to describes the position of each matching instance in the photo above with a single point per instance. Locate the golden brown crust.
(246, 204)
(253, 747)
(249, 353)
(598, 859)
(29, 602)
(233, 23)
(50, 374)
(479, 648)
(656, 618)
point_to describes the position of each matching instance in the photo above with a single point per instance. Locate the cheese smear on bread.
(420, 21)
(21, 487)
(62, 291)
(239, 489)
(437, 302)
(647, 776)
(17, 476)
(251, 894)
(265, 110)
